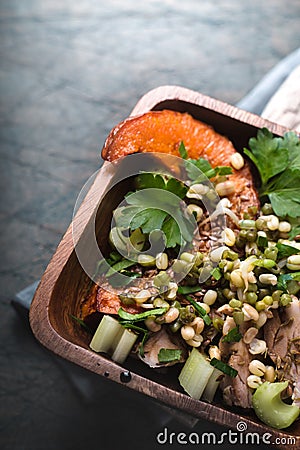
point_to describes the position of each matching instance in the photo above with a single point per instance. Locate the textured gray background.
(69, 72)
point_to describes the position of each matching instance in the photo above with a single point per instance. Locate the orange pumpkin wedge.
(163, 131)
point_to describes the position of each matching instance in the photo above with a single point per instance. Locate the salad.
(204, 268)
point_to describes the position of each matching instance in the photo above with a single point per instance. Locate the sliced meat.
(163, 131)
(162, 339)
(235, 390)
(282, 335)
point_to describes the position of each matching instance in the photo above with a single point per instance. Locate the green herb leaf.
(193, 166)
(278, 163)
(81, 323)
(284, 278)
(139, 317)
(199, 170)
(157, 181)
(232, 336)
(291, 142)
(144, 332)
(188, 289)
(176, 187)
(223, 367)
(266, 153)
(142, 344)
(172, 233)
(127, 273)
(148, 180)
(284, 193)
(286, 250)
(120, 265)
(158, 208)
(200, 310)
(182, 151)
(295, 231)
(223, 170)
(169, 354)
(148, 220)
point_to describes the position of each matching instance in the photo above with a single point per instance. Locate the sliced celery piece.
(212, 385)
(106, 335)
(124, 346)
(195, 374)
(269, 407)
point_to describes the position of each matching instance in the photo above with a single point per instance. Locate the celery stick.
(106, 335)
(269, 407)
(195, 374)
(212, 385)
(124, 346)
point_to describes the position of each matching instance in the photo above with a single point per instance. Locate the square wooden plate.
(64, 281)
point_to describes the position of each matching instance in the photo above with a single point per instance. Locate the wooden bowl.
(64, 282)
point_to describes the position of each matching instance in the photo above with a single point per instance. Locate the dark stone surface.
(69, 72)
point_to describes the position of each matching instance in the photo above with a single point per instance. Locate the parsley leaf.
(286, 250)
(267, 155)
(295, 231)
(157, 205)
(200, 169)
(150, 180)
(285, 277)
(148, 219)
(172, 233)
(169, 354)
(278, 162)
(284, 193)
(157, 181)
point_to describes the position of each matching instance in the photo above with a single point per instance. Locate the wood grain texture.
(64, 281)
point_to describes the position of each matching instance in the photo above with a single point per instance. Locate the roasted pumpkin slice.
(106, 301)
(163, 131)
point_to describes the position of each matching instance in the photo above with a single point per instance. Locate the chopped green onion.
(195, 374)
(81, 323)
(138, 317)
(223, 367)
(169, 354)
(188, 289)
(262, 241)
(216, 273)
(201, 311)
(232, 336)
(182, 151)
